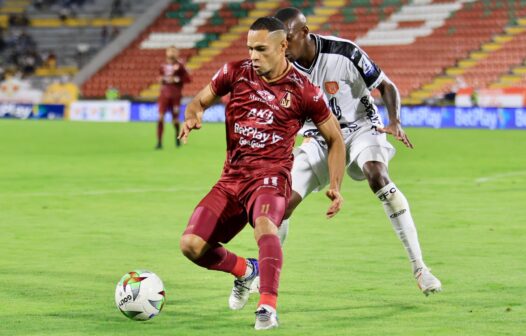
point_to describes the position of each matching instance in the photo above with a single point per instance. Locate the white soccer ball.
(140, 295)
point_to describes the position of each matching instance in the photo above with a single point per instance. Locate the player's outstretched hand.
(188, 125)
(396, 130)
(336, 204)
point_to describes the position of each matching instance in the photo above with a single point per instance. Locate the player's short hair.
(288, 13)
(267, 23)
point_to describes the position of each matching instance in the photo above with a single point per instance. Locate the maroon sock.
(270, 261)
(160, 128)
(219, 258)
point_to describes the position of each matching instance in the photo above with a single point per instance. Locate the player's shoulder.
(333, 45)
(239, 66)
(298, 79)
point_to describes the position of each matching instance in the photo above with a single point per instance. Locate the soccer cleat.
(177, 143)
(266, 318)
(241, 290)
(159, 146)
(254, 288)
(427, 282)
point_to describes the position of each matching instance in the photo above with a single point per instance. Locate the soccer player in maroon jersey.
(173, 76)
(269, 101)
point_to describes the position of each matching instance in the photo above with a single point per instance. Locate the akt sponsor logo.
(264, 116)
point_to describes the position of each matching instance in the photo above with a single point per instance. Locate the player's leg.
(267, 210)
(175, 122)
(161, 103)
(374, 161)
(209, 226)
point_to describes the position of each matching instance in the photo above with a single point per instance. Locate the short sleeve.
(315, 107)
(222, 80)
(370, 73)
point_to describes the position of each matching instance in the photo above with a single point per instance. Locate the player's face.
(266, 50)
(172, 53)
(296, 40)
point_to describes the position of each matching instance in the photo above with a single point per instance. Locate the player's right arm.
(220, 85)
(194, 111)
(330, 130)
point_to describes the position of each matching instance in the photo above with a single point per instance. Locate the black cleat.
(159, 146)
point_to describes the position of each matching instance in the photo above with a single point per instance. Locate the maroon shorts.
(169, 104)
(236, 200)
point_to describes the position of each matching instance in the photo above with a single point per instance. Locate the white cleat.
(241, 290)
(427, 282)
(254, 288)
(266, 318)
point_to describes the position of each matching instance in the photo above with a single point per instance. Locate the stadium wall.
(129, 111)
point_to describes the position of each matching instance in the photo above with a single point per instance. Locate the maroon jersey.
(178, 72)
(262, 118)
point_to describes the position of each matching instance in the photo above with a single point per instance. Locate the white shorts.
(310, 171)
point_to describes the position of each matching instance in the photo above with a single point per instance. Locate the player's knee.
(376, 174)
(191, 247)
(263, 226)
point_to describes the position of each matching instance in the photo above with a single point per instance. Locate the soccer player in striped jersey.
(347, 76)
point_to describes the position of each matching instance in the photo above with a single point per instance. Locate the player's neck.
(279, 72)
(310, 53)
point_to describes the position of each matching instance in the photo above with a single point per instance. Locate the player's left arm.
(195, 110)
(330, 130)
(391, 98)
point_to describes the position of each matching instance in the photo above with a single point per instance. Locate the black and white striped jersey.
(346, 75)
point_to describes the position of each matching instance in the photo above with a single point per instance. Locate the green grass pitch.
(83, 203)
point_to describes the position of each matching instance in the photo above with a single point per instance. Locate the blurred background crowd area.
(434, 50)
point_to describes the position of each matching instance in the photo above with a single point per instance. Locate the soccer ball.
(140, 295)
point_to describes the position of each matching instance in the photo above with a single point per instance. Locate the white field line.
(495, 177)
(427, 182)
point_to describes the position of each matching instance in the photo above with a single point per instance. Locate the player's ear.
(284, 44)
(306, 30)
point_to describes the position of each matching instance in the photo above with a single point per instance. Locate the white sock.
(397, 210)
(283, 231)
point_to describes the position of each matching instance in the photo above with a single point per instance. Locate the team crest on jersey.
(331, 87)
(266, 95)
(285, 101)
